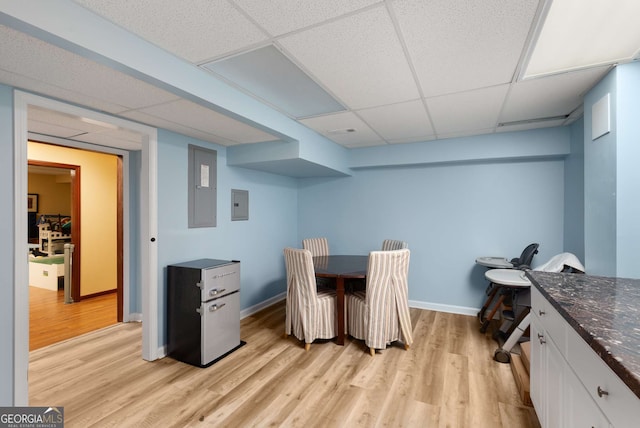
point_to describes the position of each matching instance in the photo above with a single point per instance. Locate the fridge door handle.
(215, 292)
(215, 307)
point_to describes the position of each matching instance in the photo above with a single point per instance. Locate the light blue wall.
(600, 185)
(628, 171)
(574, 193)
(612, 205)
(257, 243)
(7, 261)
(449, 214)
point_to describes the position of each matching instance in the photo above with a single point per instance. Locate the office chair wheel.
(502, 356)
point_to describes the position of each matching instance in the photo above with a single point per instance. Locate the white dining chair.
(380, 315)
(310, 313)
(392, 244)
(317, 246)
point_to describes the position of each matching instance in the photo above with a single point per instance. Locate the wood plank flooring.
(51, 321)
(446, 379)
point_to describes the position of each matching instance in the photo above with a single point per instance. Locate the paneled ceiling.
(400, 70)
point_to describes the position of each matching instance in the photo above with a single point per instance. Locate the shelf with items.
(54, 231)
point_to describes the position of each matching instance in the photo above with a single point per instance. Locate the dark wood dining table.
(341, 267)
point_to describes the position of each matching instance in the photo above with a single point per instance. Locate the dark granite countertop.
(604, 311)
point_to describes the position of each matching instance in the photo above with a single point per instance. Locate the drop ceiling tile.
(591, 33)
(109, 140)
(334, 127)
(71, 122)
(195, 30)
(31, 85)
(457, 45)
(192, 115)
(46, 128)
(56, 67)
(401, 122)
(467, 111)
(358, 58)
(549, 96)
(176, 127)
(283, 16)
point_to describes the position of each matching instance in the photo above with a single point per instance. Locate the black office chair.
(525, 259)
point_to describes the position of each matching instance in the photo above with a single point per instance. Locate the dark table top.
(604, 311)
(341, 265)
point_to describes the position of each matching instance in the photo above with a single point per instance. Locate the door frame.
(148, 204)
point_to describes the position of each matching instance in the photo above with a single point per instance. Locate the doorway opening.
(96, 277)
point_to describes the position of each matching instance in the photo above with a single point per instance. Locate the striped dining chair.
(317, 246)
(380, 315)
(392, 244)
(310, 313)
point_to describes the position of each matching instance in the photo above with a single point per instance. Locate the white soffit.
(460, 45)
(585, 33)
(282, 16)
(345, 129)
(466, 111)
(192, 115)
(552, 96)
(195, 30)
(410, 121)
(359, 59)
(269, 75)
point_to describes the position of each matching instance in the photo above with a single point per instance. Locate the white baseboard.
(162, 352)
(134, 317)
(265, 304)
(462, 310)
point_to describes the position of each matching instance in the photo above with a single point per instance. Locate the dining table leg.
(340, 296)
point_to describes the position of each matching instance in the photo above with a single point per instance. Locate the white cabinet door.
(554, 381)
(537, 369)
(581, 410)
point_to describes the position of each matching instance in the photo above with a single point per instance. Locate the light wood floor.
(446, 379)
(51, 321)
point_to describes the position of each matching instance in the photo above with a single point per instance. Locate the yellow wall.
(53, 197)
(98, 210)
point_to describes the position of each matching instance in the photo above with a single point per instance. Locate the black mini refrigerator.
(203, 310)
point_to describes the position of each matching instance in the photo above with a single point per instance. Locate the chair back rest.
(301, 280)
(526, 257)
(317, 246)
(387, 277)
(392, 244)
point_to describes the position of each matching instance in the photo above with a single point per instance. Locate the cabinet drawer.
(552, 323)
(620, 405)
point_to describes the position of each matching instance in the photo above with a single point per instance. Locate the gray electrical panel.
(239, 204)
(202, 170)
